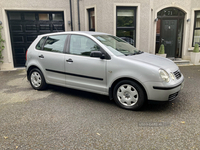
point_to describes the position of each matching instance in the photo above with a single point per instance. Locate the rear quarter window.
(41, 43)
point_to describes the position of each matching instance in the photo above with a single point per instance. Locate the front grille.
(177, 74)
(173, 96)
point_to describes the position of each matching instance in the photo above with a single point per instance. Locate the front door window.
(81, 45)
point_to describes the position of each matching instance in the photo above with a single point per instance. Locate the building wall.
(106, 18)
(146, 14)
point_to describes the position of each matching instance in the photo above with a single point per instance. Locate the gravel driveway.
(62, 118)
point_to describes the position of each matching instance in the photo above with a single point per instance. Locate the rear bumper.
(163, 93)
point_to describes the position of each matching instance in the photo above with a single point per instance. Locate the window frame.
(195, 28)
(89, 19)
(134, 19)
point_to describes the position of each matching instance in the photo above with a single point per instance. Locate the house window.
(14, 16)
(44, 16)
(126, 24)
(91, 15)
(57, 17)
(29, 16)
(196, 37)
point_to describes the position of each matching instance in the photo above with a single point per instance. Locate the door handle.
(41, 56)
(69, 60)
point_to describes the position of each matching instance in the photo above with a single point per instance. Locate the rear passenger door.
(51, 58)
(82, 71)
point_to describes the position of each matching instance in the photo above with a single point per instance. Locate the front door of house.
(168, 36)
(169, 31)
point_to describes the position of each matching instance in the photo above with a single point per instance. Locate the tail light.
(26, 54)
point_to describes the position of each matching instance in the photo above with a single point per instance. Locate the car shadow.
(81, 94)
(156, 106)
(150, 106)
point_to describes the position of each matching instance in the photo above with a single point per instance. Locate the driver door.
(82, 71)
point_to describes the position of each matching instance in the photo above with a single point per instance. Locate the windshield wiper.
(140, 52)
(135, 53)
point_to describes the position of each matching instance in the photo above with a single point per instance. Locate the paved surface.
(62, 118)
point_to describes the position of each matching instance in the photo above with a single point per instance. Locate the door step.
(179, 61)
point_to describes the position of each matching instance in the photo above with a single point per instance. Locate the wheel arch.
(29, 70)
(125, 78)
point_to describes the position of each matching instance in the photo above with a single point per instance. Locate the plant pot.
(195, 58)
(162, 55)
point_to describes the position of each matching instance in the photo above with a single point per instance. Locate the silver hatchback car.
(103, 64)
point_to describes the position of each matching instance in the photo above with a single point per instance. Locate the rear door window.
(55, 43)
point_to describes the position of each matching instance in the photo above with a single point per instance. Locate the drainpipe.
(70, 4)
(78, 15)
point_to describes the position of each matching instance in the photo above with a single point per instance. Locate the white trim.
(185, 33)
(150, 31)
(7, 30)
(137, 20)
(7, 37)
(185, 41)
(87, 18)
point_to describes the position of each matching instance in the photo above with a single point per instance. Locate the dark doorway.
(170, 31)
(26, 26)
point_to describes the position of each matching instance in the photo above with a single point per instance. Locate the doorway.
(169, 31)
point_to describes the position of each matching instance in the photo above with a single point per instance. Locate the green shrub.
(161, 49)
(196, 48)
(1, 45)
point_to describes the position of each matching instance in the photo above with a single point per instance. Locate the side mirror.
(98, 54)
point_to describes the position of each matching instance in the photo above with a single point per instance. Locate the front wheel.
(129, 95)
(37, 79)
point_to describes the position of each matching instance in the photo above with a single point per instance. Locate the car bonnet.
(154, 60)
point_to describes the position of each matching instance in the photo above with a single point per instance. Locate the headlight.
(164, 75)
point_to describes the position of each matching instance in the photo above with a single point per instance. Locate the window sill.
(190, 49)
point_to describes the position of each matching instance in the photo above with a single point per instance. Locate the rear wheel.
(129, 95)
(37, 79)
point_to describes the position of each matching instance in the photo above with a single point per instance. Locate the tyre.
(37, 79)
(129, 95)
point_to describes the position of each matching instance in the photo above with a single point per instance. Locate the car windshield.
(117, 46)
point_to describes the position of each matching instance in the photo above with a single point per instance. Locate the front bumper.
(164, 93)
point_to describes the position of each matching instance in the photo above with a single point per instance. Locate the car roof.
(76, 32)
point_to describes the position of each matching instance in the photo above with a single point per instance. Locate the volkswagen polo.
(103, 64)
